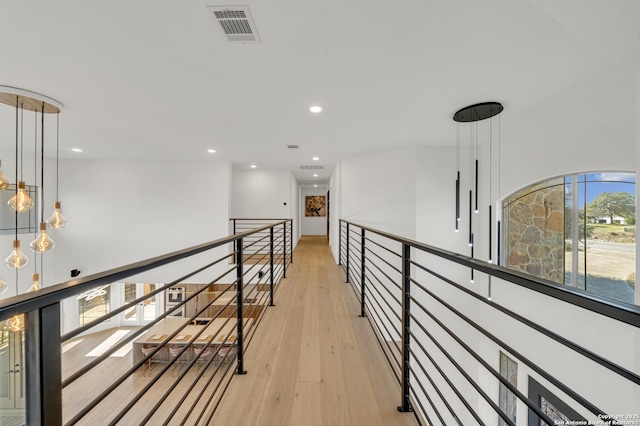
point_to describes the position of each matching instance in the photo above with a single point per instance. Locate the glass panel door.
(12, 378)
(143, 312)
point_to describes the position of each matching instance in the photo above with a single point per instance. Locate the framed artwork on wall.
(315, 206)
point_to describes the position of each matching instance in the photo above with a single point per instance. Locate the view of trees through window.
(577, 230)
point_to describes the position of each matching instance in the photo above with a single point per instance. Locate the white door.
(12, 378)
(143, 312)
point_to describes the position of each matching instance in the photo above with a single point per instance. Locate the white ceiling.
(157, 79)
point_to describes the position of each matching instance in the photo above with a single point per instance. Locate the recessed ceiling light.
(316, 158)
(253, 166)
(76, 150)
(211, 151)
(315, 175)
(315, 186)
(315, 109)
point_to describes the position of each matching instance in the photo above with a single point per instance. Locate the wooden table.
(216, 332)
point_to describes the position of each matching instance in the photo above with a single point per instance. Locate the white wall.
(261, 194)
(266, 194)
(124, 211)
(379, 190)
(312, 225)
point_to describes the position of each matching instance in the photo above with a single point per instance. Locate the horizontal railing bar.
(388, 351)
(169, 364)
(576, 397)
(377, 318)
(542, 330)
(481, 361)
(384, 299)
(391, 280)
(429, 399)
(398, 270)
(85, 369)
(25, 302)
(384, 248)
(621, 311)
(446, 379)
(79, 330)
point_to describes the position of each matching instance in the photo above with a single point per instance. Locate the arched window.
(577, 230)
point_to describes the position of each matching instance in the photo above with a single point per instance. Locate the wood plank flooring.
(314, 361)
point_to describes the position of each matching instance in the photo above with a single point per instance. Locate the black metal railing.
(444, 337)
(174, 369)
(283, 240)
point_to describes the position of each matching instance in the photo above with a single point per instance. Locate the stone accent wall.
(535, 230)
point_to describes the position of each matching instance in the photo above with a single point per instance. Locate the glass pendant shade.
(4, 180)
(15, 323)
(3, 287)
(21, 202)
(57, 220)
(43, 242)
(16, 259)
(36, 283)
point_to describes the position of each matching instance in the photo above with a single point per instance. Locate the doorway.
(12, 378)
(144, 312)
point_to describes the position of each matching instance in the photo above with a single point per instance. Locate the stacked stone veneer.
(535, 230)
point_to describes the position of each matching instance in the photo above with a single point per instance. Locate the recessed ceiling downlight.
(76, 150)
(211, 151)
(316, 158)
(253, 166)
(315, 109)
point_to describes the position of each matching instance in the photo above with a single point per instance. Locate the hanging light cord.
(42, 167)
(16, 213)
(17, 139)
(57, 156)
(35, 175)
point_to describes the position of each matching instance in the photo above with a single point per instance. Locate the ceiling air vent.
(311, 167)
(293, 146)
(236, 22)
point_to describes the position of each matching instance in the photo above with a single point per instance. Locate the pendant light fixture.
(17, 259)
(21, 201)
(43, 242)
(473, 114)
(35, 286)
(57, 220)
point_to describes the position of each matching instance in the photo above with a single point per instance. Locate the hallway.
(313, 360)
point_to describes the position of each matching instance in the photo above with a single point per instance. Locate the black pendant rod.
(470, 219)
(490, 234)
(457, 200)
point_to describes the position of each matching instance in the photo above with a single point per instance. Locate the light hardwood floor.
(314, 361)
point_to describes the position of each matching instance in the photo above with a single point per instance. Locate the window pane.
(129, 296)
(94, 303)
(578, 230)
(610, 242)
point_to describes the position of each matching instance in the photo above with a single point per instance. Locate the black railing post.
(43, 366)
(340, 243)
(347, 253)
(271, 266)
(291, 241)
(235, 242)
(284, 251)
(406, 314)
(362, 273)
(240, 303)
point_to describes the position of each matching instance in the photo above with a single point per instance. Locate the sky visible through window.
(598, 183)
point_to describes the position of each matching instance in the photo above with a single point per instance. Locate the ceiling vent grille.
(236, 23)
(311, 167)
(293, 146)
